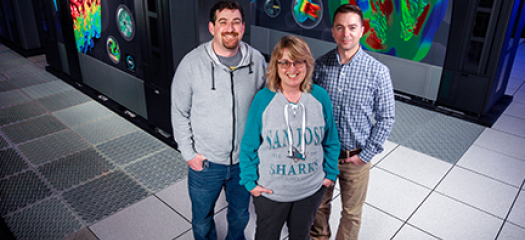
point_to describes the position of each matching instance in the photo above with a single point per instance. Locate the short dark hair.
(348, 8)
(221, 5)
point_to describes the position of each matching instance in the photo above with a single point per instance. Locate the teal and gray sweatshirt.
(297, 170)
(210, 102)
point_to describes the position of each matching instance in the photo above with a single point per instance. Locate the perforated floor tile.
(63, 100)
(53, 146)
(408, 121)
(3, 142)
(46, 89)
(82, 234)
(20, 112)
(11, 60)
(159, 170)
(445, 138)
(32, 79)
(32, 128)
(21, 190)
(49, 219)
(131, 147)
(5, 85)
(4, 49)
(101, 197)
(26, 68)
(105, 129)
(11, 162)
(74, 169)
(13, 97)
(37, 58)
(82, 113)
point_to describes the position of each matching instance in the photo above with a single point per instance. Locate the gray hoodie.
(210, 102)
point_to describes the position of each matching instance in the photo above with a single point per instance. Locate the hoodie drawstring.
(212, 76)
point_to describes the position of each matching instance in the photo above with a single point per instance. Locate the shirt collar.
(356, 55)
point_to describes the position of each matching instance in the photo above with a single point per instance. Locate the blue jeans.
(204, 188)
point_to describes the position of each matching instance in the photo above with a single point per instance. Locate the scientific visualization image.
(307, 13)
(126, 24)
(113, 50)
(87, 24)
(272, 7)
(106, 30)
(403, 28)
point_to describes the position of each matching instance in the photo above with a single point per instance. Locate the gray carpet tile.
(104, 129)
(20, 112)
(37, 58)
(31, 79)
(82, 113)
(446, 138)
(104, 196)
(3, 142)
(409, 119)
(23, 68)
(11, 61)
(53, 146)
(75, 168)
(49, 219)
(21, 190)
(11, 162)
(46, 89)
(160, 170)
(5, 85)
(63, 100)
(32, 128)
(4, 48)
(131, 147)
(13, 97)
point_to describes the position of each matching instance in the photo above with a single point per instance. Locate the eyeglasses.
(286, 64)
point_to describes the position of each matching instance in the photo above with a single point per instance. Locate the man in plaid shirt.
(364, 111)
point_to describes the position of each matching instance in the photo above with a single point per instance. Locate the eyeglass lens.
(287, 64)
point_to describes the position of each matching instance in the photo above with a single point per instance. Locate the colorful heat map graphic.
(113, 50)
(307, 13)
(125, 22)
(86, 23)
(401, 28)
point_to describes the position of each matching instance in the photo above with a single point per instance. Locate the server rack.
(18, 27)
(57, 39)
(483, 41)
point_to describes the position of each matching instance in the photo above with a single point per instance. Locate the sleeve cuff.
(250, 185)
(332, 177)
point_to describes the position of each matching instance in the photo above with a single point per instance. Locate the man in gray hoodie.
(211, 93)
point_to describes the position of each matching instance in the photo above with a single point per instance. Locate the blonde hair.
(298, 49)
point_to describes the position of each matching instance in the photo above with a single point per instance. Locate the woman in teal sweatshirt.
(290, 145)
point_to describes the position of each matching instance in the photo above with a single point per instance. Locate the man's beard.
(230, 43)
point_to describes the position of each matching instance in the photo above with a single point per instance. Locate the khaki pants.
(353, 182)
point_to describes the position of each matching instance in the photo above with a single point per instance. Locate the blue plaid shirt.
(363, 99)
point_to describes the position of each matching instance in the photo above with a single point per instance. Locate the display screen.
(411, 29)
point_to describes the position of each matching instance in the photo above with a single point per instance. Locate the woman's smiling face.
(292, 72)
